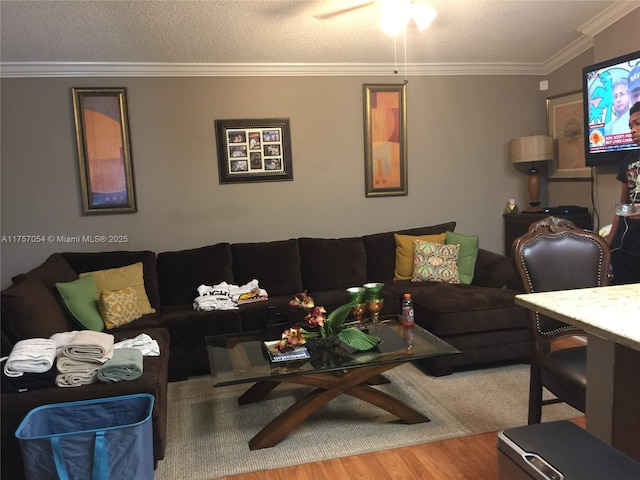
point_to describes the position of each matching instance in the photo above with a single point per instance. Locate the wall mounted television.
(607, 137)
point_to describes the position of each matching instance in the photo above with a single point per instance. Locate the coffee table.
(242, 358)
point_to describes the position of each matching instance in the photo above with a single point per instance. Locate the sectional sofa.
(479, 318)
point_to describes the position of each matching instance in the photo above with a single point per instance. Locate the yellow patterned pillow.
(433, 262)
(118, 278)
(404, 252)
(118, 307)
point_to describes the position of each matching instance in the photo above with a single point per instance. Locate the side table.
(517, 224)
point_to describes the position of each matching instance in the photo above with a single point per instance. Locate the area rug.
(208, 432)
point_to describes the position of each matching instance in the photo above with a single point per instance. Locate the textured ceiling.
(509, 34)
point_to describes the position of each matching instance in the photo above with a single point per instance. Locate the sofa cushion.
(405, 253)
(30, 309)
(276, 265)
(54, 269)
(467, 256)
(381, 249)
(434, 262)
(180, 273)
(80, 297)
(90, 262)
(452, 309)
(118, 307)
(329, 264)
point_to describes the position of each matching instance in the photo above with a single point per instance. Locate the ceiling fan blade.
(323, 16)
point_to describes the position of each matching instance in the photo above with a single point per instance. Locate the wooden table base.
(354, 382)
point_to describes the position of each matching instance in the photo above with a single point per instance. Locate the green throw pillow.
(81, 300)
(467, 256)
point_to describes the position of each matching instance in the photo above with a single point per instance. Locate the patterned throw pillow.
(404, 252)
(118, 307)
(433, 262)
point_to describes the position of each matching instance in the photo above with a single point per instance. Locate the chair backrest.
(556, 255)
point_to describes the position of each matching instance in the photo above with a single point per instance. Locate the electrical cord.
(626, 229)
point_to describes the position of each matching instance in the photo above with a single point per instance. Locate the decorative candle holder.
(375, 302)
(356, 294)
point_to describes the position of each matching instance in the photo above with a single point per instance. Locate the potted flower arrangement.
(318, 324)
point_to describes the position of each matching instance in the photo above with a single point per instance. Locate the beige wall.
(459, 128)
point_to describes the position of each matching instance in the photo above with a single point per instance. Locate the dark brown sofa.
(480, 319)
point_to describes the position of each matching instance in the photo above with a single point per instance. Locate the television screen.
(609, 89)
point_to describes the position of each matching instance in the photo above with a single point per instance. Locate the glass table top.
(243, 358)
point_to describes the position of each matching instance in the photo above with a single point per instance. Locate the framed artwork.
(104, 150)
(385, 140)
(565, 123)
(254, 150)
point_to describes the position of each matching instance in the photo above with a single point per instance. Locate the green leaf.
(333, 322)
(308, 334)
(358, 339)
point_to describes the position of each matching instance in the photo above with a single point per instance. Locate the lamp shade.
(534, 148)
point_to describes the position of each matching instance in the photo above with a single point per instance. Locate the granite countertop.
(612, 313)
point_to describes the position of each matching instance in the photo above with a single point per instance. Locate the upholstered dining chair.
(556, 255)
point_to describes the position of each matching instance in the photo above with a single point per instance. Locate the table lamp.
(532, 149)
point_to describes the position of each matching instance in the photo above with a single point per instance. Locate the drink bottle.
(407, 310)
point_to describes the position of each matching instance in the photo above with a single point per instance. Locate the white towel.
(62, 339)
(90, 346)
(142, 342)
(34, 355)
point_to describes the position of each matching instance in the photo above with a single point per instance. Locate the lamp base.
(533, 209)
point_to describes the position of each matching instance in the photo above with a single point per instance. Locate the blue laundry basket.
(102, 439)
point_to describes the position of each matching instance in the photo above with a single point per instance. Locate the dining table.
(610, 316)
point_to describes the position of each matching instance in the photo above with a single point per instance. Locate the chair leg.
(535, 395)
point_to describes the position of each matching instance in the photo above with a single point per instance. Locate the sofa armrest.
(495, 270)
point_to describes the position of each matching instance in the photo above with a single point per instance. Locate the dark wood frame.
(104, 150)
(254, 150)
(393, 182)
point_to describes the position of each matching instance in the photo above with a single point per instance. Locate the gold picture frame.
(104, 150)
(385, 139)
(565, 123)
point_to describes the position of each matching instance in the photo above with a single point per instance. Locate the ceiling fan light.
(422, 15)
(394, 16)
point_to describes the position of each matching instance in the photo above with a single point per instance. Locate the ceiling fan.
(395, 15)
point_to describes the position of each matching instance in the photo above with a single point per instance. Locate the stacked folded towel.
(33, 355)
(80, 359)
(126, 364)
(225, 296)
(87, 345)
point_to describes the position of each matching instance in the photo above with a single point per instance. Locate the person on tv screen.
(621, 105)
(634, 84)
(624, 237)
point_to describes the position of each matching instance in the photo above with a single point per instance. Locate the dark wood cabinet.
(517, 224)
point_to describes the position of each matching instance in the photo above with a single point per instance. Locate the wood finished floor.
(474, 457)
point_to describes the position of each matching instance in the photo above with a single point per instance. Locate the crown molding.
(567, 54)
(608, 17)
(97, 69)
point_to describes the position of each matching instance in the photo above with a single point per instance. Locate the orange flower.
(316, 317)
(302, 300)
(290, 338)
